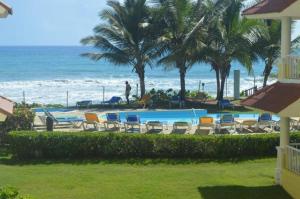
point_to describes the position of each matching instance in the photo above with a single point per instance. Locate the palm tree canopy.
(231, 37)
(125, 37)
(267, 46)
(179, 19)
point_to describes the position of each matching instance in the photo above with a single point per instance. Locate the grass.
(142, 179)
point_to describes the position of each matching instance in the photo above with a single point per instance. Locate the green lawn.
(143, 179)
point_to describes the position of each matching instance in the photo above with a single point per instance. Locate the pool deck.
(168, 129)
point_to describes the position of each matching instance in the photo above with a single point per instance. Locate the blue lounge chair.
(85, 103)
(226, 121)
(225, 104)
(133, 123)
(112, 119)
(265, 120)
(113, 100)
(64, 121)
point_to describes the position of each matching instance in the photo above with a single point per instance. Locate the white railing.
(291, 67)
(293, 158)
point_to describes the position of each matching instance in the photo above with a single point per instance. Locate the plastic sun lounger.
(113, 100)
(225, 103)
(226, 121)
(181, 127)
(205, 126)
(92, 119)
(206, 122)
(248, 125)
(74, 121)
(265, 120)
(85, 103)
(154, 126)
(132, 123)
(114, 120)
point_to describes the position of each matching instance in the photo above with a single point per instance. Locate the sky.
(55, 22)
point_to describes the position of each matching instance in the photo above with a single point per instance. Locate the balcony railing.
(291, 68)
(293, 158)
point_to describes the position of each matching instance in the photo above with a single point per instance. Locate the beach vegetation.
(11, 193)
(180, 33)
(22, 119)
(230, 38)
(125, 37)
(181, 22)
(267, 47)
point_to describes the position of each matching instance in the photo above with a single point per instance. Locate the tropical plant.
(268, 46)
(181, 21)
(229, 37)
(125, 38)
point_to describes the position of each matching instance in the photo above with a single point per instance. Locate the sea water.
(44, 74)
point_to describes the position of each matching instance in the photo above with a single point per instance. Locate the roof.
(268, 6)
(6, 7)
(274, 98)
(6, 106)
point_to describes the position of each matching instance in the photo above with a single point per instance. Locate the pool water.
(187, 115)
(168, 116)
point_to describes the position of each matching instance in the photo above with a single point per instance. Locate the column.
(284, 121)
(285, 51)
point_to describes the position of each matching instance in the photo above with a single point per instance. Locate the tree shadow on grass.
(242, 192)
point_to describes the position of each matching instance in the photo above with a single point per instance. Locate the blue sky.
(55, 22)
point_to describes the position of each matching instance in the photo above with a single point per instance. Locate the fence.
(293, 158)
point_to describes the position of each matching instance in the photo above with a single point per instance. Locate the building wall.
(291, 183)
(2, 117)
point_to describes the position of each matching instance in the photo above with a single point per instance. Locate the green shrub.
(22, 119)
(11, 193)
(103, 145)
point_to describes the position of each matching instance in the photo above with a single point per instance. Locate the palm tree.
(230, 37)
(125, 38)
(268, 46)
(180, 21)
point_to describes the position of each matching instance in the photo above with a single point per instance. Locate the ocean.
(45, 74)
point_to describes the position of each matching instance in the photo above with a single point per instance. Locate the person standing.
(127, 91)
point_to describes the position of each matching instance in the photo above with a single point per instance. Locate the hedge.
(49, 145)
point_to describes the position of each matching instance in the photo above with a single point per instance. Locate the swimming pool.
(187, 115)
(167, 116)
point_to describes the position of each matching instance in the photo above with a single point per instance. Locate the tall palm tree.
(180, 21)
(230, 37)
(268, 46)
(125, 38)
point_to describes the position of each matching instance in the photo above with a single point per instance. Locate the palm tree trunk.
(140, 70)
(267, 72)
(223, 74)
(182, 83)
(218, 82)
(142, 85)
(223, 80)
